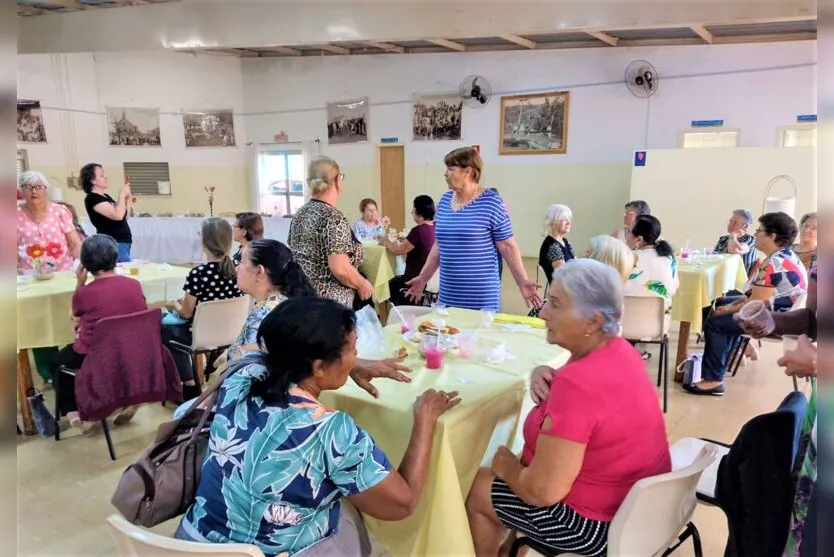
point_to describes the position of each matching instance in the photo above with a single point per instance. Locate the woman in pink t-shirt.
(39, 221)
(596, 430)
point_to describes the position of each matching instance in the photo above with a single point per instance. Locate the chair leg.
(795, 383)
(739, 355)
(199, 373)
(696, 541)
(688, 531)
(55, 382)
(665, 348)
(106, 429)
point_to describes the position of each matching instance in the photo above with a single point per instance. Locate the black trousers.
(396, 285)
(182, 335)
(71, 359)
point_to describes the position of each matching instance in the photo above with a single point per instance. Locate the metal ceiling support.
(332, 48)
(200, 24)
(520, 41)
(604, 37)
(446, 43)
(287, 51)
(702, 32)
(387, 47)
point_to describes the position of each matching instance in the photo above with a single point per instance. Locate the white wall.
(75, 90)
(606, 123)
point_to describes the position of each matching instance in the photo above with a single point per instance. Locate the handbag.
(163, 482)
(172, 318)
(43, 418)
(691, 369)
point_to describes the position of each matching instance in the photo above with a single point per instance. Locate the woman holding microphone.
(108, 215)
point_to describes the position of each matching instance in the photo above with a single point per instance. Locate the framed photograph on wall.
(347, 122)
(30, 122)
(437, 117)
(133, 127)
(535, 124)
(209, 128)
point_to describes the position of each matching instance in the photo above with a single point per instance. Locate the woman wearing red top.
(596, 430)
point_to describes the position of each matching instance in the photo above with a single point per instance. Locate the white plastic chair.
(216, 325)
(133, 541)
(655, 515)
(432, 289)
(644, 321)
(416, 311)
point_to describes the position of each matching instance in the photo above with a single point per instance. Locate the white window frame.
(780, 132)
(715, 129)
(287, 148)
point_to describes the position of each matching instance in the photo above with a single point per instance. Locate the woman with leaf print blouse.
(655, 270)
(279, 462)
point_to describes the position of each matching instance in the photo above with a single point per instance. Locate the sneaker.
(124, 415)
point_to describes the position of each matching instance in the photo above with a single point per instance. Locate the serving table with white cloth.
(466, 437)
(43, 316)
(177, 239)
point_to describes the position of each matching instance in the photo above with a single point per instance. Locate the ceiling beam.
(520, 41)
(702, 32)
(284, 50)
(131, 2)
(332, 48)
(71, 4)
(29, 10)
(387, 47)
(604, 37)
(767, 38)
(446, 43)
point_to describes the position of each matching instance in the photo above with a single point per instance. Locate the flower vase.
(44, 274)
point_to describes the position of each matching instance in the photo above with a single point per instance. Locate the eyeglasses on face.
(807, 226)
(33, 187)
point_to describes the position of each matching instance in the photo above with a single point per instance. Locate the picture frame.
(534, 124)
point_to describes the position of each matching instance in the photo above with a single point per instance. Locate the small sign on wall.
(389, 139)
(707, 123)
(806, 118)
(639, 158)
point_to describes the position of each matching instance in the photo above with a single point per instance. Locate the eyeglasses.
(809, 227)
(33, 187)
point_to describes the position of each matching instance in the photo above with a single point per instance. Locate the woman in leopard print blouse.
(322, 240)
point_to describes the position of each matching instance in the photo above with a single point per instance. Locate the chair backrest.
(133, 541)
(643, 318)
(656, 509)
(416, 311)
(795, 404)
(219, 322)
(433, 285)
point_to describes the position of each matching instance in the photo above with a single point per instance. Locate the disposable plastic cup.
(434, 357)
(467, 341)
(756, 312)
(407, 323)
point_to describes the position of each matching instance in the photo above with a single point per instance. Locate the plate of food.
(437, 326)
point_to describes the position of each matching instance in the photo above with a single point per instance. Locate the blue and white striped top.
(466, 245)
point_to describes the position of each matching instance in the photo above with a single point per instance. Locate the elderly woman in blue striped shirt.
(472, 230)
(738, 239)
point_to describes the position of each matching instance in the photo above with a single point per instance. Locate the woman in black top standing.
(555, 250)
(108, 215)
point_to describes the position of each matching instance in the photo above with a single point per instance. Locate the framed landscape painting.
(535, 124)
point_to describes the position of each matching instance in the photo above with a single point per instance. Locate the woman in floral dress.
(655, 270)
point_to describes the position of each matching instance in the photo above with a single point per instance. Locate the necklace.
(457, 205)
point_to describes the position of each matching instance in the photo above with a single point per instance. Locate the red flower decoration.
(54, 250)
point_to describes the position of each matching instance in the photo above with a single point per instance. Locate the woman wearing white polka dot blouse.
(213, 280)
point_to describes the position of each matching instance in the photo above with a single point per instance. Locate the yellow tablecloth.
(43, 306)
(379, 267)
(703, 279)
(491, 394)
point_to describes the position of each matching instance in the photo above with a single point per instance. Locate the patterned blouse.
(784, 272)
(653, 275)
(365, 231)
(274, 474)
(249, 333)
(317, 231)
(52, 229)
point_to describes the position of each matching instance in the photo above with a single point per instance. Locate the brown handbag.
(163, 482)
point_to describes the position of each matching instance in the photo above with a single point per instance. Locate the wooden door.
(392, 184)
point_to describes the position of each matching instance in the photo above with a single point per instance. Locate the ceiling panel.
(638, 34)
(762, 28)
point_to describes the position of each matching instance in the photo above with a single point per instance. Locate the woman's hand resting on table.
(540, 383)
(430, 405)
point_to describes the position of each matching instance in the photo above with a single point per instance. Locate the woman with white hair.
(41, 222)
(322, 239)
(585, 445)
(614, 253)
(738, 238)
(555, 250)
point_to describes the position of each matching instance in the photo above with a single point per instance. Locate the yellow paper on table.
(534, 322)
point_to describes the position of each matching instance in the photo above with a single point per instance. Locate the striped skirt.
(558, 526)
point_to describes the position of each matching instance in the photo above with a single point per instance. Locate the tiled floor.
(64, 488)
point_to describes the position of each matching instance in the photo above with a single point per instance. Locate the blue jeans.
(124, 253)
(721, 333)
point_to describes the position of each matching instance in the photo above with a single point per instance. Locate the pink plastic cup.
(407, 324)
(467, 343)
(434, 357)
(757, 315)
